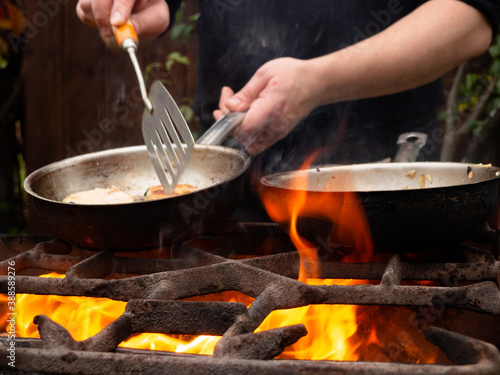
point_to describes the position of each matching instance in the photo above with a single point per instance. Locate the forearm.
(416, 50)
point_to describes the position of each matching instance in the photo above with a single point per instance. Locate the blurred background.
(63, 93)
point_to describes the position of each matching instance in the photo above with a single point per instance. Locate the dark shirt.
(236, 37)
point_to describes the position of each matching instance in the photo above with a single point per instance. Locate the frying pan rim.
(33, 176)
(266, 181)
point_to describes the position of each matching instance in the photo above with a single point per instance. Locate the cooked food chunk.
(99, 196)
(157, 192)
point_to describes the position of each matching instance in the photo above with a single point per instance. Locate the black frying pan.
(216, 172)
(447, 204)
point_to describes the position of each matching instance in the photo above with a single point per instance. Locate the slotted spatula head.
(167, 137)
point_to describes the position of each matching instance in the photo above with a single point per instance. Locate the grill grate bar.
(152, 306)
(478, 358)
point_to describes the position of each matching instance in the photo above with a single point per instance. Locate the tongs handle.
(127, 39)
(221, 129)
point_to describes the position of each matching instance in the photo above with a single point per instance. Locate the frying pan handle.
(221, 129)
(409, 146)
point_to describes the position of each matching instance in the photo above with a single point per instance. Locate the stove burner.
(156, 285)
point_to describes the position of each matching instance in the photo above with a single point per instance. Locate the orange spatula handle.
(126, 35)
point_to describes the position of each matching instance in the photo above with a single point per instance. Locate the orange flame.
(84, 317)
(333, 332)
(329, 328)
(334, 324)
(296, 202)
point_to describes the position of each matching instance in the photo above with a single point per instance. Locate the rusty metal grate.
(155, 285)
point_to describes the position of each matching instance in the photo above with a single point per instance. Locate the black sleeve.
(173, 6)
(490, 9)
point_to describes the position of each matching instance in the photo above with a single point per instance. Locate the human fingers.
(262, 126)
(242, 100)
(218, 114)
(100, 10)
(149, 17)
(225, 94)
(97, 13)
(120, 12)
(85, 13)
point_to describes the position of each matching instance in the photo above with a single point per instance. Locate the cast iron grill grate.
(154, 287)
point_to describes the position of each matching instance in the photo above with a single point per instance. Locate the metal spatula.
(166, 134)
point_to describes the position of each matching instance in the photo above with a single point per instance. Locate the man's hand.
(277, 97)
(414, 51)
(149, 17)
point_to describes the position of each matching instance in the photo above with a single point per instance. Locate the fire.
(329, 328)
(334, 324)
(84, 317)
(300, 209)
(335, 332)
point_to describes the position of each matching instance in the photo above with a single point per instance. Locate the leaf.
(493, 106)
(179, 13)
(475, 126)
(495, 68)
(187, 112)
(462, 107)
(442, 115)
(194, 17)
(3, 62)
(152, 66)
(177, 30)
(187, 31)
(494, 51)
(470, 80)
(149, 69)
(175, 57)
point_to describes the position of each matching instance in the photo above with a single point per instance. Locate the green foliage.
(184, 28)
(150, 68)
(175, 57)
(474, 126)
(494, 50)
(476, 88)
(4, 53)
(3, 62)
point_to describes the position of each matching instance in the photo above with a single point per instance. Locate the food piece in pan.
(99, 196)
(157, 192)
